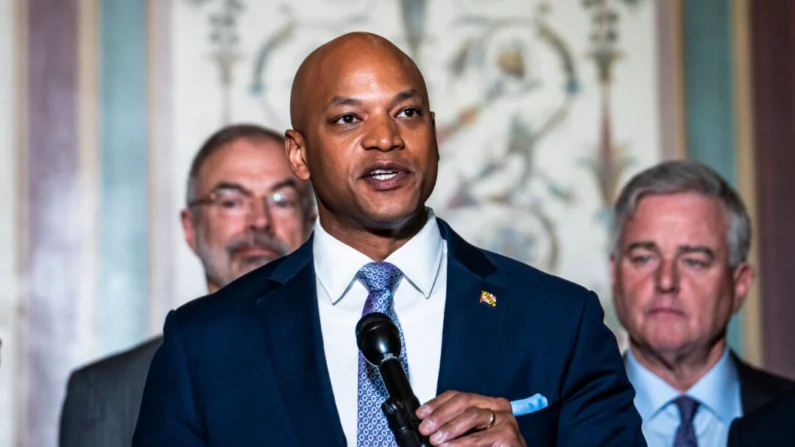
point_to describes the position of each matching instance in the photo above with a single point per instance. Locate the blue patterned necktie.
(380, 279)
(686, 433)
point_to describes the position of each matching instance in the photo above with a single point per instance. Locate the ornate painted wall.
(544, 108)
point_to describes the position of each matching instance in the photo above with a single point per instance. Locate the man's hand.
(462, 419)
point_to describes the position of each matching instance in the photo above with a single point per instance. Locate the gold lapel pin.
(488, 299)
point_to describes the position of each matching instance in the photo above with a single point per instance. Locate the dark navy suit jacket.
(246, 365)
(772, 425)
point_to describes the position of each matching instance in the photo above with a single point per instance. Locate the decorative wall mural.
(225, 39)
(535, 130)
(611, 159)
(544, 108)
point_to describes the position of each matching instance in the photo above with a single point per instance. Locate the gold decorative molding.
(746, 179)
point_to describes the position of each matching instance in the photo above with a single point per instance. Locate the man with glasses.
(244, 208)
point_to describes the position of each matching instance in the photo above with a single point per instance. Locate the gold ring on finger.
(492, 420)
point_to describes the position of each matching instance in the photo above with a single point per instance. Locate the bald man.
(499, 353)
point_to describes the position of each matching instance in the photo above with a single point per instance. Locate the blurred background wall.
(544, 110)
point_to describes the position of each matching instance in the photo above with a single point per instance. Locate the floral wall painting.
(544, 108)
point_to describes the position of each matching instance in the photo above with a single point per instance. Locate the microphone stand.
(401, 408)
(379, 342)
(402, 425)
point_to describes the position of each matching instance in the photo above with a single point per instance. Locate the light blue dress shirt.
(718, 393)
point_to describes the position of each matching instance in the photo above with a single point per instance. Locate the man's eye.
(695, 263)
(231, 202)
(284, 201)
(410, 112)
(346, 119)
(641, 259)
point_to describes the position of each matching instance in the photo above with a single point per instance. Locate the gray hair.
(682, 176)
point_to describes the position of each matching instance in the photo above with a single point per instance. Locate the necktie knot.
(687, 408)
(379, 276)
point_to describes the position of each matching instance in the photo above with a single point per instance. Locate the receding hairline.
(308, 68)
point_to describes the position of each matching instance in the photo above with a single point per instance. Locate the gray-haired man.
(679, 272)
(244, 208)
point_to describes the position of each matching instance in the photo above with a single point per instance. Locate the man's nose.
(259, 217)
(667, 277)
(382, 133)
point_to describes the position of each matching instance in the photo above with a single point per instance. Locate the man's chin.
(250, 264)
(392, 217)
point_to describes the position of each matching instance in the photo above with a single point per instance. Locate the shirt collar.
(421, 257)
(715, 391)
(652, 393)
(336, 264)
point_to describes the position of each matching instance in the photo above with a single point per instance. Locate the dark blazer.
(102, 399)
(772, 425)
(246, 365)
(758, 387)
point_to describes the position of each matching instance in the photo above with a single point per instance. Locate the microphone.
(379, 342)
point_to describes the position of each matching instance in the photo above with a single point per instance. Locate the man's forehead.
(246, 151)
(250, 185)
(679, 212)
(669, 236)
(361, 75)
(345, 66)
(254, 163)
(679, 201)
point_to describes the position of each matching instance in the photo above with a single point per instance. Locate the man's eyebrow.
(645, 245)
(286, 183)
(411, 93)
(225, 185)
(338, 101)
(697, 249)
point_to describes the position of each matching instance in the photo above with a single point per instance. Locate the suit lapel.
(756, 388)
(750, 397)
(291, 325)
(472, 330)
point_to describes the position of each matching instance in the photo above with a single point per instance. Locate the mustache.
(259, 240)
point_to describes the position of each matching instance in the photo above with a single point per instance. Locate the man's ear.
(435, 141)
(188, 229)
(295, 145)
(743, 279)
(613, 270)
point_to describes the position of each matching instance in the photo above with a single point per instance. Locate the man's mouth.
(255, 251)
(384, 174)
(386, 179)
(666, 311)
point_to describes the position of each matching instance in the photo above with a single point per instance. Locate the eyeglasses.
(238, 203)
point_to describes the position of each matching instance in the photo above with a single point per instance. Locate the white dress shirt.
(718, 393)
(419, 304)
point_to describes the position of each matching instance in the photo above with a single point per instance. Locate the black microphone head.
(377, 337)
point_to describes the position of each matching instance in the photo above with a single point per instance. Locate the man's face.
(250, 210)
(370, 143)
(673, 287)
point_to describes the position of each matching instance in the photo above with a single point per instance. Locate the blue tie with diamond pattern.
(380, 279)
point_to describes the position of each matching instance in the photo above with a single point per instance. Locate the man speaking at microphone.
(501, 354)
